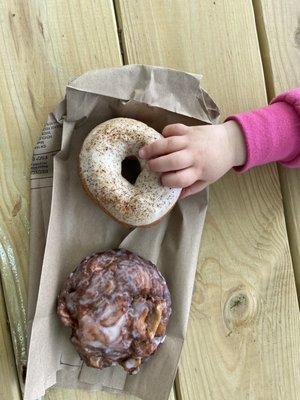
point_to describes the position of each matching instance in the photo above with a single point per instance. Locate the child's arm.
(193, 157)
(272, 133)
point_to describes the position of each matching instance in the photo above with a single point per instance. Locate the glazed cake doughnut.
(141, 203)
(118, 306)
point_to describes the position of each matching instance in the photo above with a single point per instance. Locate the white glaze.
(102, 153)
(131, 363)
(113, 332)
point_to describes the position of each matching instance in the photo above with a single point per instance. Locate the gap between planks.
(10, 385)
(264, 49)
(119, 24)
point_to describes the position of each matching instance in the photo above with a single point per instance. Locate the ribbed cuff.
(271, 134)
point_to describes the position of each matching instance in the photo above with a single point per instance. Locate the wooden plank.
(9, 385)
(243, 336)
(191, 37)
(67, 394)
(41, 48)
(42, 44)
(279, 33)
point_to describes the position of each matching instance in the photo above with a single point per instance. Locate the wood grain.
(279, 33)
(243, 336)
(68, 394)
(9, 385)
(42, 45)
(206, 37)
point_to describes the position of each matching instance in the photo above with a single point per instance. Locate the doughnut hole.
(131, 168)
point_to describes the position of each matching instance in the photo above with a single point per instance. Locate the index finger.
(162, 147)
(175, 130)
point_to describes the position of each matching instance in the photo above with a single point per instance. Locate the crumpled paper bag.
(66, 225)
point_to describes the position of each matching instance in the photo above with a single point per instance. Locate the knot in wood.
(240, 308)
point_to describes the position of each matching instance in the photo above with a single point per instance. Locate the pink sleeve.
(272, 133)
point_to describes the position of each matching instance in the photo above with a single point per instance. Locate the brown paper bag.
(66, 225)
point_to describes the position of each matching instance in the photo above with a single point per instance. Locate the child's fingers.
(179, 179)
(193, 189)
(171, 162)
(162, 146)
(175, 130)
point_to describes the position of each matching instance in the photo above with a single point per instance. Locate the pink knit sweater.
(272, 133)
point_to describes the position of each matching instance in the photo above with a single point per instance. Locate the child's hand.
(193, 157)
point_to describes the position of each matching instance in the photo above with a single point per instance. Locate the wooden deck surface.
(243, 338)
